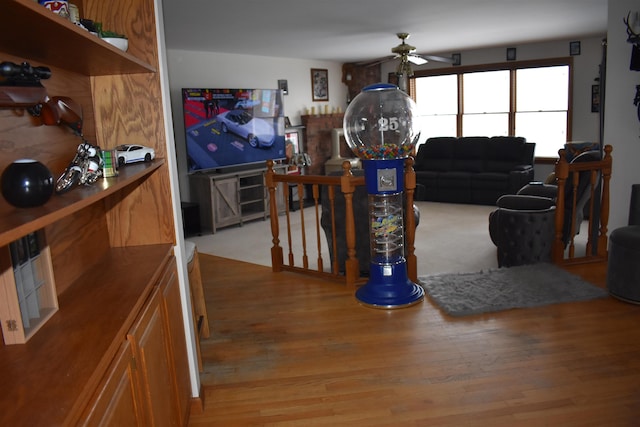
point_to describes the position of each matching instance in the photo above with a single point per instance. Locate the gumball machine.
(380, 127)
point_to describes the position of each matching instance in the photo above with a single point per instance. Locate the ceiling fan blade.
(376, 61)
(416, 59)
(438, 58)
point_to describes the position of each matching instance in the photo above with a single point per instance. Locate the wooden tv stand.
(232, 198)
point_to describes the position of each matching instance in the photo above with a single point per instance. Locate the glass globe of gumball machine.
(380, 127)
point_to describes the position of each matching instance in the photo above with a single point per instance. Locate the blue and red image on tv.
(232, 127)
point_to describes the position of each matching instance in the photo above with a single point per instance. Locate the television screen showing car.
(231, 127)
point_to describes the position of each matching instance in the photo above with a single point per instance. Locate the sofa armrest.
(523, 202)
(539, 189)
(519, 168)
(520, 178)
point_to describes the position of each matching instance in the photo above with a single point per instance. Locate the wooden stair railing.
(346, 183)
(598, 209)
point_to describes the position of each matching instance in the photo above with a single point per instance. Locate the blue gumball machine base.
(389, 287)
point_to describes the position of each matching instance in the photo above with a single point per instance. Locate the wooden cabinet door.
(154, 371)
(116, 402)
(226, 203)
(177, 348)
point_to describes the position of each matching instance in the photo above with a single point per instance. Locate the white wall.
(586, 66)
(622, 128)
(220, 70)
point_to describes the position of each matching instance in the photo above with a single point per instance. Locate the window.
(528, 99)
(542, 107)
(438, 116)
(485, 106)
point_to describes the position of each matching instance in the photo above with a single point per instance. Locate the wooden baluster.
(316, 203)
(575, 179)
(276, 250)
(561, 172)
(335, 268)
(305, 258)
(410, 228)
(287, 214)
(592, 194)
(352, 267)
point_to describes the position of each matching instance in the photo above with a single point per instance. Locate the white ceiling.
(355, 30)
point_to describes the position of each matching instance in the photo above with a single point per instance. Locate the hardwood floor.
(290, 350)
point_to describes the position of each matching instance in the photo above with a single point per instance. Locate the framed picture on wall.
(574, 48)
(319, 84)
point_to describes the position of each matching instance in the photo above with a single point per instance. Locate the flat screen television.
(227, 128)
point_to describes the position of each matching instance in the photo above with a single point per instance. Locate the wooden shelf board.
(52, 377)
(18, 222)
(49, 38)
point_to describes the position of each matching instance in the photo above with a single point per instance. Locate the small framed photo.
(287, 122)
(457, 58)
(574, 48)
(283, 85)
(319, 84)
(511, 54)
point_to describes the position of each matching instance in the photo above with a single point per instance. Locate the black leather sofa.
(475, 170)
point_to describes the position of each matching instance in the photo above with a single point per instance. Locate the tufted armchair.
(524, 238)
(523, 229)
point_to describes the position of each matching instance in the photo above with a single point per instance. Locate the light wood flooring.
(290, 350)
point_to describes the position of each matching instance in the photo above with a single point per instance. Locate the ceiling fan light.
(417, 60)
(404, 68)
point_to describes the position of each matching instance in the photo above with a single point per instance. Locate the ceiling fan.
(406, 53)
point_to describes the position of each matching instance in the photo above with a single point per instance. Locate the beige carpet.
(450, 238)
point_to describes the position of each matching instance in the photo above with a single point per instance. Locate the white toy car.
(131, 153)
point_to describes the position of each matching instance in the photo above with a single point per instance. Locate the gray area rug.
(506, 288)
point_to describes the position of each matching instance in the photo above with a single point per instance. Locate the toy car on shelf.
(131, 153)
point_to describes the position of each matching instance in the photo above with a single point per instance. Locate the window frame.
(512, 67)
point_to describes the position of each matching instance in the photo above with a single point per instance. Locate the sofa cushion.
(498, 180)
(469, 153)
(455, 179)
(436, 154)
(504, 153)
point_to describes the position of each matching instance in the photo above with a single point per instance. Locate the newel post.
(410, 228)
(276, 249)
(562, 173)
(351, 264)
(604, 212)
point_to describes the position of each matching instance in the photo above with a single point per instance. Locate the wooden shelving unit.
(110, 244)
(57, 39)
(19, 222)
